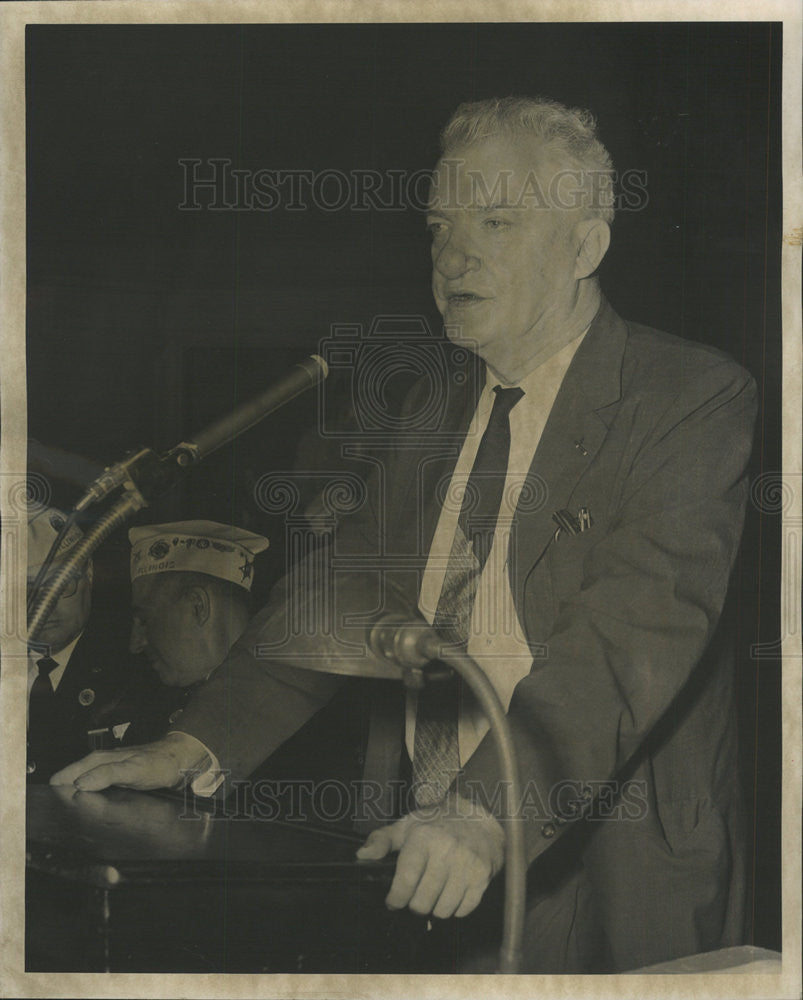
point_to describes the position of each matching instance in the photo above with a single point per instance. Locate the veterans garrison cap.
(219, 550)
(44, 523)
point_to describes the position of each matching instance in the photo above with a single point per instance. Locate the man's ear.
(593, 239)
(199, 603)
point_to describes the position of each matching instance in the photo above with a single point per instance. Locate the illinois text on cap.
(219, 550)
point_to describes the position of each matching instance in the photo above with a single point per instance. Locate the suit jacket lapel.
(570, 440)
(74, 678)
(88, 685)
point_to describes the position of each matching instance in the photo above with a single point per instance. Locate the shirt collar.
(62, 658)
(554, 367)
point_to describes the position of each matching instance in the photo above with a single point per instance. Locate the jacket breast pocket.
(565, 561)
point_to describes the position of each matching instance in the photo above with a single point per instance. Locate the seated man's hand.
(163, 764)
(447, 856)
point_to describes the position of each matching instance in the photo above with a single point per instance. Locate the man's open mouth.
(464, 299)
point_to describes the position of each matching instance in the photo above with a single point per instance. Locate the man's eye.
(435, 228)
(495, 223)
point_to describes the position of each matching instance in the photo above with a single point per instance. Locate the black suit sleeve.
(257, 699)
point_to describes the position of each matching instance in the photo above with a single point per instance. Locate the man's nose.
(137, 641)
(454, 258)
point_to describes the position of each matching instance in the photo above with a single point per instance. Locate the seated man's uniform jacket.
(157, 708)
(631, 680)
(103, 690)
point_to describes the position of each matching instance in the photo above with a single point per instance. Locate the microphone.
(152, 473)
(301, 377)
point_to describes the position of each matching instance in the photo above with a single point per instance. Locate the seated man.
(83, 686)
(191, 589)
(191, 583)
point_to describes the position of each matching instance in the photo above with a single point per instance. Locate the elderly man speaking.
(606, 462)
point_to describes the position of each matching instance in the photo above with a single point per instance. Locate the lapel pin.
(579, 447)
(86, 697)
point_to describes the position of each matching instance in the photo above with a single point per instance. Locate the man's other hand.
(167, 763)
(447, 856)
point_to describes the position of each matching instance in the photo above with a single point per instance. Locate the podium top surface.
(118, 836)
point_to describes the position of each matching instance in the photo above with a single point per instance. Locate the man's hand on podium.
(167, 763)
(447, 856)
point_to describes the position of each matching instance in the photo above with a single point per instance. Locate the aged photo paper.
(198, 196)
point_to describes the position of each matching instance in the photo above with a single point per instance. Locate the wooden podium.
(131, 882)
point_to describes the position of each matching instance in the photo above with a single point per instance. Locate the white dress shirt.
(496, 640)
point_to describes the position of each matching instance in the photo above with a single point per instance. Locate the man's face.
(503, 262)
(70, 615)
(166, 631)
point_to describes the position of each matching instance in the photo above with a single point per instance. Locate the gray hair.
(570, 131)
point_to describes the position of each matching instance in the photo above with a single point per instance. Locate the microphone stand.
(398, 646)
(146, 474)
(412, 646)
(76, 559)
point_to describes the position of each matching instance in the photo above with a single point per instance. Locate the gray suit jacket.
(629, 709)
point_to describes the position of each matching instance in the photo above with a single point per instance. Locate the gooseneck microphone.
(145, 474)
(301, 377)
(153, 474)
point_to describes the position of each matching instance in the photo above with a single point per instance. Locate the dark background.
(146, 321)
